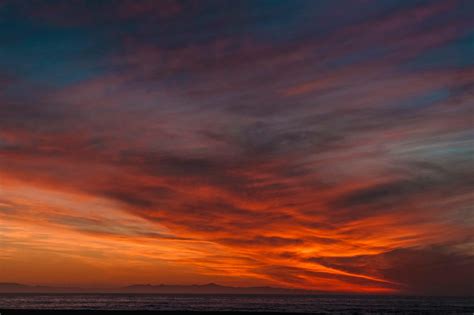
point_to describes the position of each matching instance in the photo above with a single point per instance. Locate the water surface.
(250, 303)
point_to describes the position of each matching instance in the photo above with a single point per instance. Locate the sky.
(323, 145)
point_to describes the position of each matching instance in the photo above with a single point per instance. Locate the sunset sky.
(324, 145)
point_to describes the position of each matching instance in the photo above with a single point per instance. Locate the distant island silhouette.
(210, 288)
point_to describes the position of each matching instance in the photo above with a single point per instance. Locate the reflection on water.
(304, 304)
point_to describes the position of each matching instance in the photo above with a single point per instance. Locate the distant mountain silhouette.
(210, 288)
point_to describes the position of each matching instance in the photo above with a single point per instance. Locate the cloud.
(419, 271)
(271, 241)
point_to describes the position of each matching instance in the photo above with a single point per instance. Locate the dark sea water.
(248, 303)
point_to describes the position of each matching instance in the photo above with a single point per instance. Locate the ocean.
(323, 304)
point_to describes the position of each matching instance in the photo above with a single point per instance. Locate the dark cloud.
(419, 271)
(382, 195)
(425, 179)
(129, 198)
